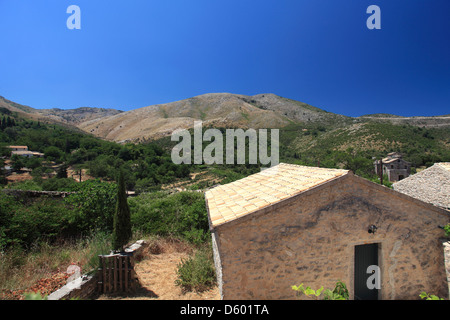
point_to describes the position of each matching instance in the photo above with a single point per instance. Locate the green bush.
(98, 243)
(182, 214)
(7, 209)
(92, 206)
(59, 184)
(197, 273)
(53, 153)
(25, 185)
(426, 296)
(447, 230)
(340, 292)
(25, 222)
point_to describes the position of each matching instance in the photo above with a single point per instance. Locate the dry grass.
(19, 177)
(21, 270)
(157, 272)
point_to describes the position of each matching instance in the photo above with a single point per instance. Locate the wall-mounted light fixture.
(372, 229)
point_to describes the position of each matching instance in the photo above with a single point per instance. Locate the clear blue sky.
(131, 54)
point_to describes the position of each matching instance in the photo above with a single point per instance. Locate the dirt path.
(157, 275)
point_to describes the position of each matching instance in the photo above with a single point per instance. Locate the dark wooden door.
(365, 256)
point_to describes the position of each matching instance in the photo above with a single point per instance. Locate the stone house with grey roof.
(293, 224)
(431, 185)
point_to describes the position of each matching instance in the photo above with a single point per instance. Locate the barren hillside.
(79, 115)
(214, 109)
(69, 117)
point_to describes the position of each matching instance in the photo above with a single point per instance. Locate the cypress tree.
(122, 220)
(61, 172)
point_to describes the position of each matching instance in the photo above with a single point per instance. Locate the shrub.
(182, 214)
(25, 185)
(99, 243)
(197, 273)
(58, 184)
(93, 206)
(427, 296)
(340, 292)
(307, 291)
(23, 223)
(53, 153)
(447, 230)
(196, 236)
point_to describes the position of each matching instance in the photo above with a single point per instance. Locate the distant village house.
(18, 148)
(24, 152)
(394, 167)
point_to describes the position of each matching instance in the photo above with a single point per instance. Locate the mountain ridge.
(227, 110)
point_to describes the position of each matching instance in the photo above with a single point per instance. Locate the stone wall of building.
(394, 167)
(310, 239)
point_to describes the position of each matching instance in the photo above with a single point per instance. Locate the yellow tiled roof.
(234, 200)
(445, 165)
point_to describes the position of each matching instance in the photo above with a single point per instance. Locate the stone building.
(394, 167)
(431, 185)
(292, 224)
(24, 152)
(27, 154)
(18, 148)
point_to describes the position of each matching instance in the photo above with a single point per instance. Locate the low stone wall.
(86, 286)
(33, 194)
(137, 249)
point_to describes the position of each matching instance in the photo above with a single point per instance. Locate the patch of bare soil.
(74, 174)
(157, 273)
(19, 177)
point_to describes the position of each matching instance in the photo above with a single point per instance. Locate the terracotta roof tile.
(262, 189)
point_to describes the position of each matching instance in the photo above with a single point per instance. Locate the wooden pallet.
(116, 273)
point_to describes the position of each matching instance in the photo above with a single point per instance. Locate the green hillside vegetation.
(354, 145)
(147, 165)
(350, 144)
